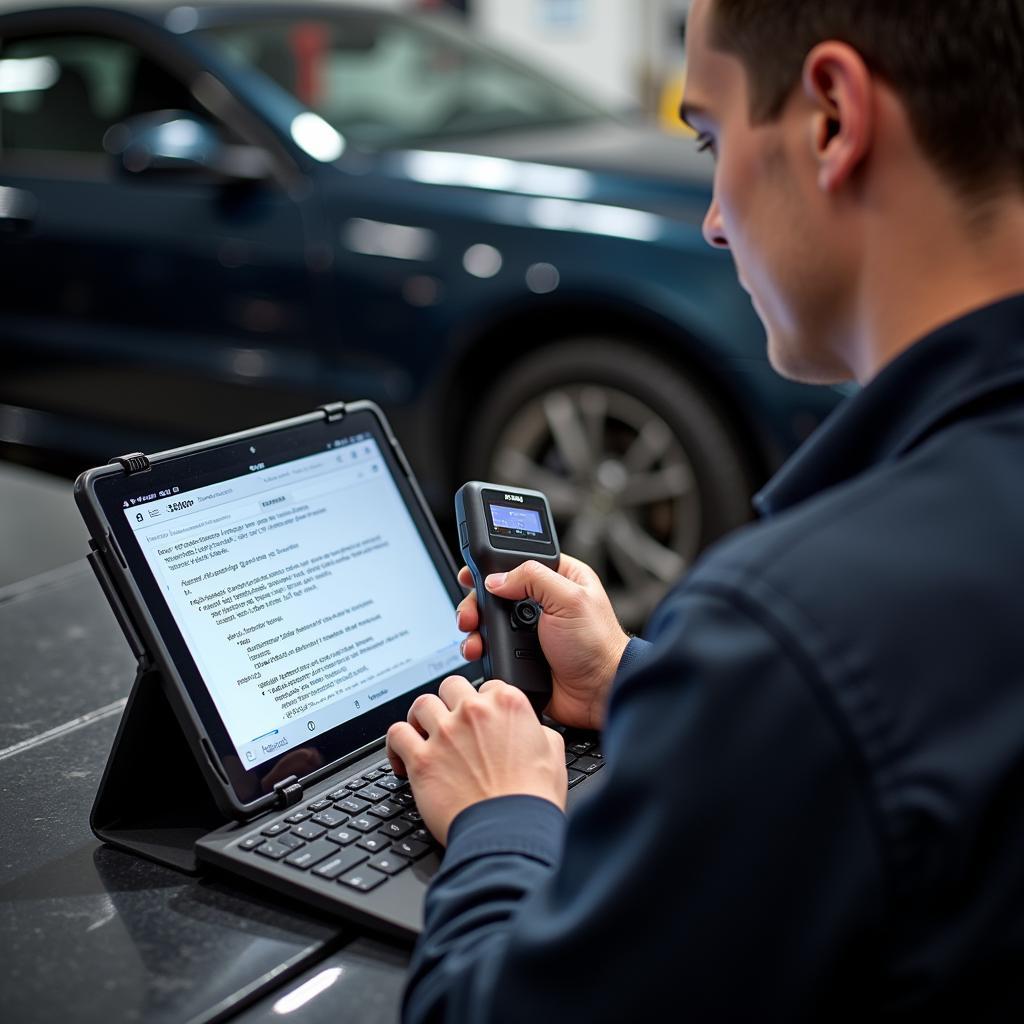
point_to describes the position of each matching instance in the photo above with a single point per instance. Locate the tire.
(641, 470)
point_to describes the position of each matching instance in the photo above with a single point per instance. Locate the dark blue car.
(212, 217)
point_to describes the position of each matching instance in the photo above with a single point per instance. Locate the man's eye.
(705, 142)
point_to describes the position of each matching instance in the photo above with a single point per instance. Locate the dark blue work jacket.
(813, 803)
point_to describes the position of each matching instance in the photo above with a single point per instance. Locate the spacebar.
(312, 854)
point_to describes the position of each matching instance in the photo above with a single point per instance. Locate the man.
(813, 803)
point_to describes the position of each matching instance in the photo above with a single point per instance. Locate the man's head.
(836, 121)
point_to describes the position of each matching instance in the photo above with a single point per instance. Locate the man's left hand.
(463, 746)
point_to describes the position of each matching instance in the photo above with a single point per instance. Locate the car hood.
(635, 149)
(629, 164)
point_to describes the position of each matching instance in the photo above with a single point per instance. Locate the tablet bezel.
(100, 494)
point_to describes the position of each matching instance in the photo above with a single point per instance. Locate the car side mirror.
(176, 142)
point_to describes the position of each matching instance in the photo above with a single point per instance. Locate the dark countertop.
(89, 933)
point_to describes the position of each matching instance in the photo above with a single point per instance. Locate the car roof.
(156, 10)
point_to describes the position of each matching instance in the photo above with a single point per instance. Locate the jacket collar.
(928, 384)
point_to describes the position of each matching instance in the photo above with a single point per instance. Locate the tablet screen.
(306, 593)
(303, 591)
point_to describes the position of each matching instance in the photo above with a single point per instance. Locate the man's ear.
(838, 83)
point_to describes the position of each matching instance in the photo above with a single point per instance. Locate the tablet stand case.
(160, 813)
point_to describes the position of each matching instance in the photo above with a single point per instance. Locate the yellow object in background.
(668, 106)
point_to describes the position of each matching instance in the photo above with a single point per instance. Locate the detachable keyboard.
(358, 846)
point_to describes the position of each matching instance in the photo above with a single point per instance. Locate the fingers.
(426, 713)
(429, 710)
(473, 647)
(403, 743)
(454, 690)
(552, 591)
(512, 696)
(569, 567)
(467, 618)
(467, 614)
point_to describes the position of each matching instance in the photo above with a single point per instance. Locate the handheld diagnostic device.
(500, 528)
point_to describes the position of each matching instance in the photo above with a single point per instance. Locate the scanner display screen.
(516, 520)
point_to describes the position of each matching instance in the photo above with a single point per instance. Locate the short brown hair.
(958, 66)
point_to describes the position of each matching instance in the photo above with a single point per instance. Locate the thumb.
(554, 593)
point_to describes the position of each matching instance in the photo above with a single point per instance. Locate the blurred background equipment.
(215, 216)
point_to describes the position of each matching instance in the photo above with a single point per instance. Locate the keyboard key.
(596, 752)
(337, 794)
(372, 775)
(410, 848)
(273, 849)
(374, 843)
(383, 765)
(579, 748)
(403, 799)
(569, 758)
(351, 785)
(364, 824)
(588, 765)
(389, 863)
(250, 842)
(421, 835)
(343, 836)
(292, 842)
(330, 818)
(385, 810)
(397, 829)
(308, 831)
(276, 829)
(414, 816)
(393, 784)
(297, 817)
(343, 860)
(575, 777)
(312, 854)
(364, 879)
(373, 793)
(350, 805)
(319, 805)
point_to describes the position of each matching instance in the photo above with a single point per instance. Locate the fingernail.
(462, 648)
(458, 618)
(496, 579)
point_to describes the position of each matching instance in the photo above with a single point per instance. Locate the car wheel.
(640, 469)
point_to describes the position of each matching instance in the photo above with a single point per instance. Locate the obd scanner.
(500, 528)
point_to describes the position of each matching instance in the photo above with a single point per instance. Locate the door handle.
(17, 209)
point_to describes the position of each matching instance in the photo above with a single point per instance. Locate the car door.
(153, 302)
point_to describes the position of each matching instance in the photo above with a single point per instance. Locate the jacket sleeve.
(725, 865)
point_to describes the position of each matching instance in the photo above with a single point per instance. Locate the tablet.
(292, 587)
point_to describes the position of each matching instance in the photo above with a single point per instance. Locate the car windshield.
(384, 80)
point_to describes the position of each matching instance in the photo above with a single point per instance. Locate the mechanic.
(813, 801)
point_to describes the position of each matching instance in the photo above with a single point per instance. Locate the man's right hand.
(581, 637)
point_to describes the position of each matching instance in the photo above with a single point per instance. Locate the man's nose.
(714, 232)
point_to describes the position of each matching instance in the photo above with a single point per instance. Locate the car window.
(59, 94)
(385, 81)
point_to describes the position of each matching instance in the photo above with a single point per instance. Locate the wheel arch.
(526, 330)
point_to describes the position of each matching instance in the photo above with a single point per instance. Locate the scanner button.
(525, 615)
(463, 535)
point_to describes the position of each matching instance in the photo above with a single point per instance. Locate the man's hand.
(464, 746)
(579, 633)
